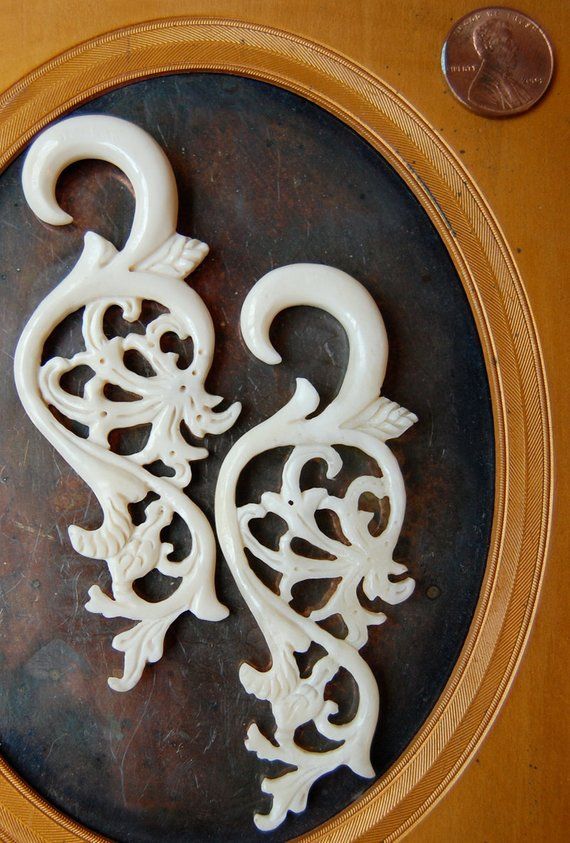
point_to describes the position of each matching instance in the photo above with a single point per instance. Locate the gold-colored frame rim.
(523, 478)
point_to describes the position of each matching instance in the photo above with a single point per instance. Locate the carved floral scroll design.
(358, 418)
(151, 267)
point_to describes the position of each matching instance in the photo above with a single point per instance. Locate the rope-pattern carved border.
(506, 328)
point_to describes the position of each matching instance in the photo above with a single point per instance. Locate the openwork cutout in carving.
(131, 379)
(312, 645)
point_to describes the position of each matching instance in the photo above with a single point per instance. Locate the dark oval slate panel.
(266, 178)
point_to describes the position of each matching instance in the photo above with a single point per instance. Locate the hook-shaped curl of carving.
(351, 304)
(120, 143)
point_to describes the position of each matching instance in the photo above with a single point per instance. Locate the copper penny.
(497, 61)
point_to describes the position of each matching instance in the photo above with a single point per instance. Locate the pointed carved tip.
(57, 216)
(118, 684)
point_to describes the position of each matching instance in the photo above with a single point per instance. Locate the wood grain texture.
(516, 787)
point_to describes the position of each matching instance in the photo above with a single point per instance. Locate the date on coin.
(497, 61)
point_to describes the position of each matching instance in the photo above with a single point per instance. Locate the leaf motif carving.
(384, 419)
(177, 257)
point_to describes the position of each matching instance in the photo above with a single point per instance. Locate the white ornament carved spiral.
(358, 418)
(151, 266)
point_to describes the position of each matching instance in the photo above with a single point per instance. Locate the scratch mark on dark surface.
(27, 529)
(87, 505)
(56, 463)
(129, 742)
(53, 743)
(38, 536)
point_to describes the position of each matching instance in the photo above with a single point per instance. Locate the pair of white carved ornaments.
(152, 266)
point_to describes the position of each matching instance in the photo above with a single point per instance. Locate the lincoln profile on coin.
(495, 85)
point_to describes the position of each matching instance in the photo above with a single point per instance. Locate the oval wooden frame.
(523, 491)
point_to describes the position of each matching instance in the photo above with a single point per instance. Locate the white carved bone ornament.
(360, 419)
(151, 266)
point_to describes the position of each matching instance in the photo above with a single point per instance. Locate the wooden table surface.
(517, 787)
